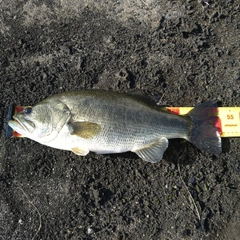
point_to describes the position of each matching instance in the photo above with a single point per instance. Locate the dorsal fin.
(140, 96)
(152, 101)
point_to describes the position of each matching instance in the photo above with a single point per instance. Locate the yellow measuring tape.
(229, 119)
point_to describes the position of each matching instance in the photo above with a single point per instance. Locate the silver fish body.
(110, 122)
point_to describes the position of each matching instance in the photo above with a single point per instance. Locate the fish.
(107, 122)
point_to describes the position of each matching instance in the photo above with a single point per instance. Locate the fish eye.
(28, 110)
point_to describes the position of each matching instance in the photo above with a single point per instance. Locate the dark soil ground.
(182, 52)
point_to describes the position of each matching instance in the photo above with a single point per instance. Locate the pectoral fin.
(85, 129)
(81, 151)
(153, 152)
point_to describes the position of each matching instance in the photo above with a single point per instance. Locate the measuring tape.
(228, 124)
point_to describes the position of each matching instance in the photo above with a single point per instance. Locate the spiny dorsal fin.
(151, 100)
(85, 129)
(140, 96)
(153, 152)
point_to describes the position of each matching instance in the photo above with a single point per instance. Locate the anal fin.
(154, 151)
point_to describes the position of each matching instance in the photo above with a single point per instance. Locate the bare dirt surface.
(184, 52)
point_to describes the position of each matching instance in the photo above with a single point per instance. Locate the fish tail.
(203, 134)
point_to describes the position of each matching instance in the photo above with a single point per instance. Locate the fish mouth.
(21, 126)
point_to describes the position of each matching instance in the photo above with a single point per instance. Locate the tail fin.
(204, 135)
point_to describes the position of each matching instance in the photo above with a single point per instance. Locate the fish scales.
(126, 125)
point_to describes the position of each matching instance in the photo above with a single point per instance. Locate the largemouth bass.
(110, 122)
